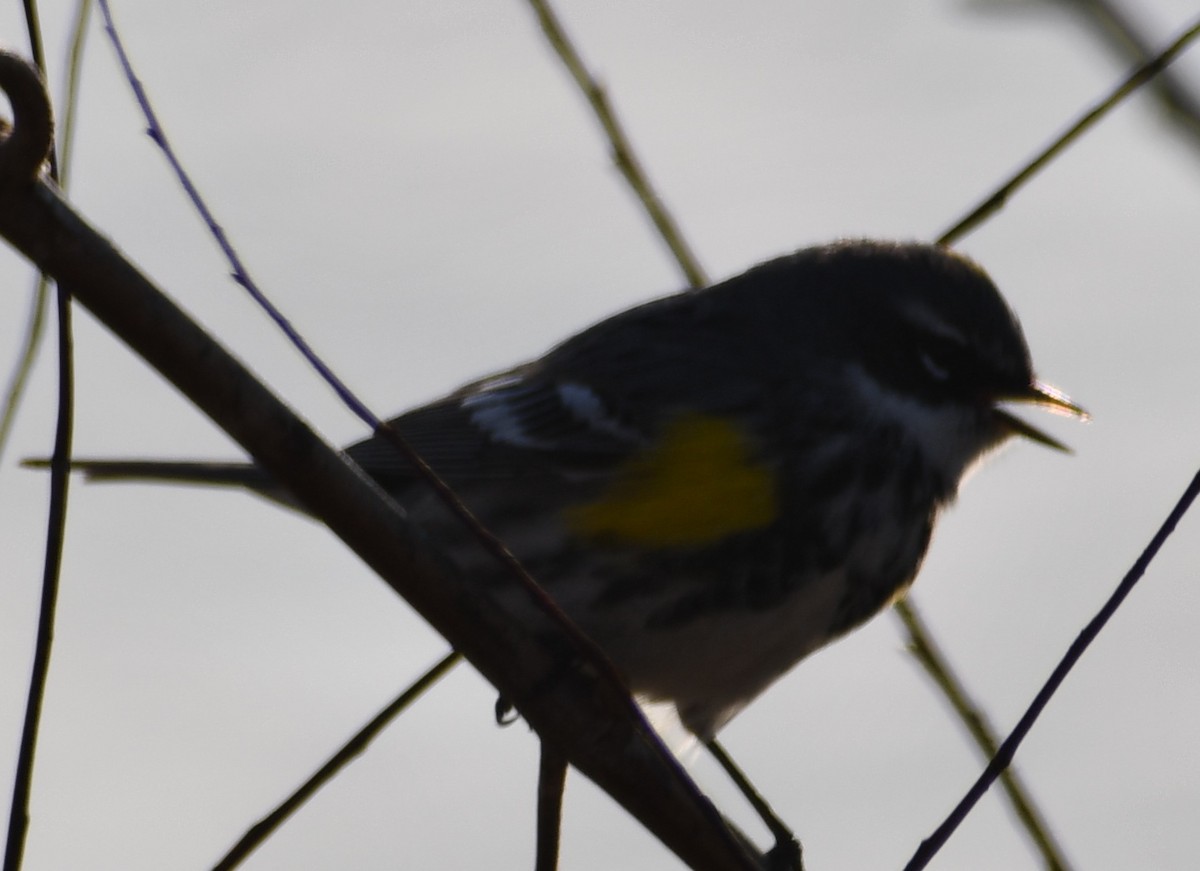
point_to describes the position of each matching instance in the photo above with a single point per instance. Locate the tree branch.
(552, 676)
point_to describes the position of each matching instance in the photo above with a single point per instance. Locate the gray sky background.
(421, 190)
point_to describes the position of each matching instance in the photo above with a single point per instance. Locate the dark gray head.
(920, 333)
(909, 335)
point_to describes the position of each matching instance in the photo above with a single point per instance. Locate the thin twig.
(241, 274)
(1007, 750)
(383, 429)
(1130, 39)
(923, 647)
(787, 853)
(56, 522)
(18, 819)
(56, 530)
(1135, 80)
(263, 829)
(622, 153)
(552, 779)
(70, 101)
(35, 330)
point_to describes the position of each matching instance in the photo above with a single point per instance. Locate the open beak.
(1044, 396)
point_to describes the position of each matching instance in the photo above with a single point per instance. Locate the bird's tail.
(166, 471)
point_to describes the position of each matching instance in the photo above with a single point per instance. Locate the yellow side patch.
(697, 485)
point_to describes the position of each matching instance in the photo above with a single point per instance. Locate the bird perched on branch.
(715, 484)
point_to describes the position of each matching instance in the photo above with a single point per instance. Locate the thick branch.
(534, 661)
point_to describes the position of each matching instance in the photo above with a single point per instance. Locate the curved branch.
(26, 143)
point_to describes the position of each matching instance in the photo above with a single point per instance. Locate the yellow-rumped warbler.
(717, 483)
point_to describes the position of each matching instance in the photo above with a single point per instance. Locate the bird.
(716, 483)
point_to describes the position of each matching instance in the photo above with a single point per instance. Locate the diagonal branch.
(1140, 76)
(1008, 749)
(532, 658)
(622, 153)
(261, 830)
(923, 647)
(1129, 37)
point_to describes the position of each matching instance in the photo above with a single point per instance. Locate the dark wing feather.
(505, 427)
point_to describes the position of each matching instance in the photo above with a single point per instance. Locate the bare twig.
(1007, 750)
(240, 273)
(787, 853)
(1135, 80)
(35, 329)
(56, 530)
(263, 829)
(552, 779)
(923, 647)
(1129, 38)
(622, 153)
(25, 157)
(491, 543)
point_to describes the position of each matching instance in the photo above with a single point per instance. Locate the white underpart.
(663, 717)
(731, 659)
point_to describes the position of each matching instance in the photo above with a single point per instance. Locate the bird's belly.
(713, 664)
(708, 629)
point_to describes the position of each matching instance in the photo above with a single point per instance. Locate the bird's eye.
(937, 363)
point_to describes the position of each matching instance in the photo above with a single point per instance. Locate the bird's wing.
(503, 427)
(522, 422)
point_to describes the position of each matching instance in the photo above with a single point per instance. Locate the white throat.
(950, 439)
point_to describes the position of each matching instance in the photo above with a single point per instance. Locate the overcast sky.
(419, 187)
